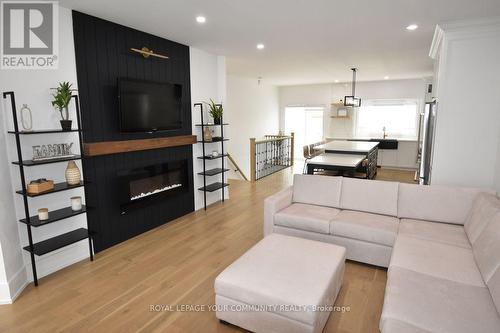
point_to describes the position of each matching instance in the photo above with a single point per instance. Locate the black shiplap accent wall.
(105, 214)
(103, 55)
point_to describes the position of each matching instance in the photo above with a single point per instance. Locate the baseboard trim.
(19, 291)
(15, 286)
(5, 294)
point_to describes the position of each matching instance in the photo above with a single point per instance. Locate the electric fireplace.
(153, 182)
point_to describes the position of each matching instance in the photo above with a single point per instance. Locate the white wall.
(252, 112)
(33, 88)
(208, 80)
(467, 139)
(4, 285)
(496, 184)
(325, 94)
(306, 95)
(11, 258)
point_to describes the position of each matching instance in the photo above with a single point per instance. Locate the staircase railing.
(238, 169)
(270, 155)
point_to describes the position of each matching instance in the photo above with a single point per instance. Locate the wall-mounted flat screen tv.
(147, 106)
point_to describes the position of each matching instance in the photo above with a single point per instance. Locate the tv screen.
(147, 106)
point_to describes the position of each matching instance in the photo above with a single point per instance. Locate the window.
(399, 117)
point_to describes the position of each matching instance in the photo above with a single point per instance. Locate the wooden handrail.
(238, 169)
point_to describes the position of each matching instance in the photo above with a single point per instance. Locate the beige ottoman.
(282, 284)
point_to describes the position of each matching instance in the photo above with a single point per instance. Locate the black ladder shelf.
(221, 157)
(62, 240)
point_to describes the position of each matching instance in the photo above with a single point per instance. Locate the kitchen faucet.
(385, 133)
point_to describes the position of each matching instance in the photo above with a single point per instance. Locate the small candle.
(43, 214)
(76, 203)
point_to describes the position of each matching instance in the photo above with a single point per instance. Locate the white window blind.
(399, 117)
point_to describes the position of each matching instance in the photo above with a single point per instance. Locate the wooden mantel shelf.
(115, 147)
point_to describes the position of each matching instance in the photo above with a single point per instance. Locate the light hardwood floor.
(173, 265)
(402, 176)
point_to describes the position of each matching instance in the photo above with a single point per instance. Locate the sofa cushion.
(317, 190)
(357, 250)
(397, 326)
(483, 209)
(494, 287)
(435, 203)
(438, 305)
(371, 196)
(274, 204)
(436, 259)
(373, 228)
(306, 217)
(283, 270)
(445, 233)
(487, 248)
(487, 253)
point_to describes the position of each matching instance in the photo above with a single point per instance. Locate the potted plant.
(215, 111)
(62, 97)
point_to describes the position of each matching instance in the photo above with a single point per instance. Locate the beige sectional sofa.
(441, 245)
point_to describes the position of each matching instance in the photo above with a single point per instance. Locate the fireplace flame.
(163, 189)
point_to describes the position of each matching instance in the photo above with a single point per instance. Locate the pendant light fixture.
(353, 100)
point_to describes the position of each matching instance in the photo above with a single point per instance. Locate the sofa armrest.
(274, 204)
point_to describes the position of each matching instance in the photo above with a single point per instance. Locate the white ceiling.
(307, 41)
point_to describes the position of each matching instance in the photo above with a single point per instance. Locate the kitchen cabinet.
(404, 157)
(467, 77)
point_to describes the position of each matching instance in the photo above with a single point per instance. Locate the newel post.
(252, 159)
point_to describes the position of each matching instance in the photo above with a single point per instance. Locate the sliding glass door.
(306, 123)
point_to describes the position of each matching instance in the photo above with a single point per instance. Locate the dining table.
(342, 155)
(335, 162)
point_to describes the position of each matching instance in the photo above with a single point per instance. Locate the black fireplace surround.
(103, 55)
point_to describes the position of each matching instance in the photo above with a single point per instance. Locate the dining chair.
(306, 150)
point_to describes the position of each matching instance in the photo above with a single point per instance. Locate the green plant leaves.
(214, 109)
(62, 97)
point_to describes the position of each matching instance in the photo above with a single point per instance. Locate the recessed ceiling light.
(201, 19)
(412, 27)
(336, 81)
(260, 46)
(386, 77)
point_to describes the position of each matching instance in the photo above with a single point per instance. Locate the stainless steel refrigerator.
(426, 142)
